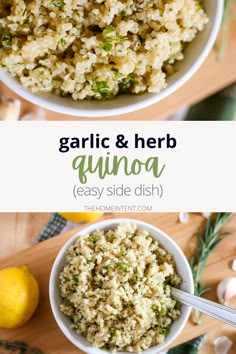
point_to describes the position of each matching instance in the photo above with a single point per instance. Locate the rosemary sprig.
(18, 347)
(210, 239)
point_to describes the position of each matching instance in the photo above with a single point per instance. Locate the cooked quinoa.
(115, 288)
(96, 48)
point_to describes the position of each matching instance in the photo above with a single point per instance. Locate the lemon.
(81, 217)
(19, 294)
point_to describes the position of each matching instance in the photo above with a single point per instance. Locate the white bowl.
(183, 270)
(195, 53)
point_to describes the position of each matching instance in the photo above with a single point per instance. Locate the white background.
(200, 173)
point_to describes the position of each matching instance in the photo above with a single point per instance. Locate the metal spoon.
(220, 312)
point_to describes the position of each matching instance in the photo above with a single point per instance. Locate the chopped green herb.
(122, 15)
(163, 331)
(123, 250)
(199, 7)
(75, 280)
(105, 347)
(112, 334)
(67, 302)
(63, 41)
(93, 238)
(118, 75)
(84, 296)
(25, 22)
(107, 46)
(107, 40)
(58, 3)
(57, 81)
(108, 267)
(148, 265)
(160, 311)
(101, 88)
(108, 30)
(5, 38)
(3, 65)
(129, 81)
(123, 267)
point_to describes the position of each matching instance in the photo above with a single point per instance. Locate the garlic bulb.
(226, 289)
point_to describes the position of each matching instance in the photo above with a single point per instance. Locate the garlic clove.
(226, 289)
(39, 114)
(9, 109)
(234, 264)
(222, 345)
(183, 217)
(206, 215)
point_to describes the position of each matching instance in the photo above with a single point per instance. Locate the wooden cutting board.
(42, 330)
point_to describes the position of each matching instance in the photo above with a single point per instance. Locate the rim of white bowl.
(103, 225)
(154, 98)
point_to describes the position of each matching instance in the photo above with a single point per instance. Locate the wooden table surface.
(212, 76)
(18, 231)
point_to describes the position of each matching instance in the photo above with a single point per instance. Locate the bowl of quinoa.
(103, 57)
(110, 288)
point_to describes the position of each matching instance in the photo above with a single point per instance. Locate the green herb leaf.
(122, 15)
(5, 38)
(93, 238)
(123, 267)
(67, 303)
(128, 82)
(108, 267)
(101, 88)
(58, 3)
(63, 41)
(108, 30)
(107, 46)
(163, 331)
(123, 251)
(75, 280)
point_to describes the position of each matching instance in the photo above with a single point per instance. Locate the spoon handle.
(220, 312)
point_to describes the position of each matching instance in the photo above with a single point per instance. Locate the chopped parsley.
(108, 30)
(129, 81)
(108, 267)
(58, 3)
(199, 7)
(75, 280)
(5, 38)
(123, 267)
(107, 40)
(101, 88)
(123, 251)
(107, 46)
(93, 238)
(63, 41)
(67, 302)
(163, 331)
(122, 15)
